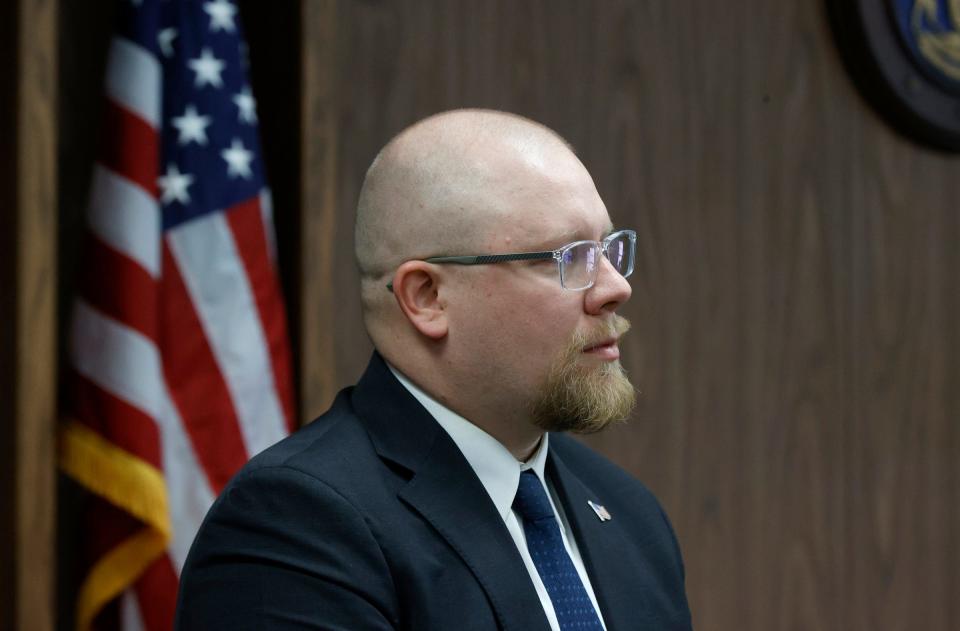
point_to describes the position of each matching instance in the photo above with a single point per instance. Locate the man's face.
(551, 350)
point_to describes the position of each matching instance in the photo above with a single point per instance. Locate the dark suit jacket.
(371, 518)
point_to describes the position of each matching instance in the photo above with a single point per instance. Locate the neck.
(524, 455)
(521, 444)
(513, 431)
(505, 420)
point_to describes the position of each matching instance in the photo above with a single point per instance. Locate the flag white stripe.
(130, 617)
(117, 358)
(134, 79)
(127, 365)
(213, 272)
(126, 218)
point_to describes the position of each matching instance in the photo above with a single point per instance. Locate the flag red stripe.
(130, 297)
(131, 147)
(117, 421)
(246, 223)
(157, 595)
(196, 384)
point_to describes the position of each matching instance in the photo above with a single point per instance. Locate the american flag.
(179, 354)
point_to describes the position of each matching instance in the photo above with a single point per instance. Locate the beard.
(584, 399)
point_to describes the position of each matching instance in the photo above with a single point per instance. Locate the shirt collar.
(498, 470)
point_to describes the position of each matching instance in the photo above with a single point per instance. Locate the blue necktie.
(570, 601)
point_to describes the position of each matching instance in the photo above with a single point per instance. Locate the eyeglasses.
(578, 263)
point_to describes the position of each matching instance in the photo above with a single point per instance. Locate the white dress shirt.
(499, 472)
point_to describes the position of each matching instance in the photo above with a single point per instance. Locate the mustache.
(615, 328)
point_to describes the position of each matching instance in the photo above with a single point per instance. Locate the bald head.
(439, 185)
(442, 187)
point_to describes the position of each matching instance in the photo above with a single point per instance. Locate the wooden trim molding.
(29, 375)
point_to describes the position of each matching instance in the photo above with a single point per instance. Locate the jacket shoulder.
(320, 448)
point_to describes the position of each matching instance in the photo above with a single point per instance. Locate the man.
(439, 493)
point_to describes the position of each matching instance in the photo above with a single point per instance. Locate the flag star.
(174, 185)
(208, 69)
(165, 40)
(192, 126)
(246, 105)
(221, 14)
(238, 160)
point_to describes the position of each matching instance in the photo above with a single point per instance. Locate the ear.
(416, 286)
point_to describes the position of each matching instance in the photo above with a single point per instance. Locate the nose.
(608, 292)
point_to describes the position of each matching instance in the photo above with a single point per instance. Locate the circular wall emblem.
(905, 57)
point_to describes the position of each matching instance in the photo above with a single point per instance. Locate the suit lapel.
(444, 489)
(602, 545)
(464, 515)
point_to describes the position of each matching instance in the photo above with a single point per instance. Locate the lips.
(601, 342)
(606, 342)
(605, 349)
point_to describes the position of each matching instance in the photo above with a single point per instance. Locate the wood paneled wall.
(796, 300)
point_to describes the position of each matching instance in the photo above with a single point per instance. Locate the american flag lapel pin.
(602, 513)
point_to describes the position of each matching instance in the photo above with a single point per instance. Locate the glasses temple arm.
(486, 259)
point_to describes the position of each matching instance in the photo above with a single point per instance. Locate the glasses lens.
(578, 265)
(620, 251)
